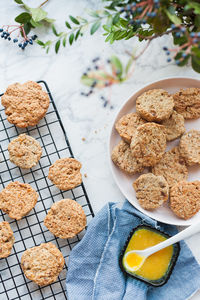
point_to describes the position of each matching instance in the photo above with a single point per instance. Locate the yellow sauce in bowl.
(156, 266)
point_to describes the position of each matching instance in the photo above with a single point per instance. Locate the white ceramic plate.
(124, 182)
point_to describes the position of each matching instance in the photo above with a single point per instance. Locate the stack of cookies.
(159, 118)
(25, 105)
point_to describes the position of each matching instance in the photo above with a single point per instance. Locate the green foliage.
(125, 19)
(33, 17)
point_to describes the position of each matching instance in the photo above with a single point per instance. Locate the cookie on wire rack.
(25, 104)
(6, 239)
(65, 219)
(18, 199)
(24, 151)
(42, 264)
(65, 173)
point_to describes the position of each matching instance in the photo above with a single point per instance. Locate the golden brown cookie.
(172, 166)
(65, 173)
(190, 147)
(42, 264)
(127, 125)
(17, 199)
(187, 103)
(122, 157)
(65, 219)
(151, 191)
(6, 239)
(155, 105)
(148, 144)
(24, 151)
(185, 199)
(174, 126)
(25, 104)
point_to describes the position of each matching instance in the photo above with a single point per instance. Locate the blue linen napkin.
(94, 272)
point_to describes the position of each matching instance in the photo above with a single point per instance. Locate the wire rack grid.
(30, 231)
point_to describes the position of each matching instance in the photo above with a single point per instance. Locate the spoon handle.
(184, 234)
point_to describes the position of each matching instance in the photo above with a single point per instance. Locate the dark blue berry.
(96, 67)
(138, 21)
(192, 34)
(183, 54)
(108, 61)
(2, 35)
(1, 29)
(133, 5)
(198, 34)
(195, 40)
(128, 7)
(85, 74)
(183, 29)
(8, 33)
(102, 98)
(131, 22)
(20, 45)
(144, 21)
(111, 107)
(15, 40)
(105, 103)
(82, 94)
(5, 37)
(122, 10)
(165, 48)
(9, 38)
(30, 42)
(168, 52)
(177, 61)
(34, 37)
(139, 9)
(156, 1)
(153, 14)
(173, 26)
(169, 59)
(177, 34)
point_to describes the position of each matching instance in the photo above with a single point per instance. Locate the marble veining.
(85, 117)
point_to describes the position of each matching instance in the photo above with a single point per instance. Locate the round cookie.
(174, 126)
(65, 173)
(185, 199)
(172, 167)
(122, 157)
(65, 219)
(190, 147)
(187, 103)
(148, 144)
(155, 105)
(17, 199)
(151, 191)
(25, 104)
(6, 239)
(127, 125)
(42, 264)
(24, 151)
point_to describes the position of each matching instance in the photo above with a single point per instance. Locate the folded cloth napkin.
(94, 272)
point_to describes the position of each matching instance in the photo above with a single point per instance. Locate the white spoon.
(143, 254)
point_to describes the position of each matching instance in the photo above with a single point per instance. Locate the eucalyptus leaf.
(19, 1)
(74, 20)
(68, 25)
(64, 41)
(35, 24)
(40, 43)
(77, 34)
(116, 65)
(116, 19)
(57, 46)
(95, 27)
(27, 28)
(23, 18)
(38, 14)
(71, 38)
(173, 18)
(48, 20)
(54, 30)
(196, 63)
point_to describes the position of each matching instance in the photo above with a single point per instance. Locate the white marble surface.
(81, 116)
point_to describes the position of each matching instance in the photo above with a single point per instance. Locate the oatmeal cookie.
(187, 103)
(6, 239)
(17, 199)
(151, 191)
(24, 151)
(185, 199)
(172, 166)
(148, 144)
(174, 126)
(155, 105)
(65, 219)
(42, 264)
(190, 147)
(122, 157)
(25, 104)
(65, 173)
(127, 125)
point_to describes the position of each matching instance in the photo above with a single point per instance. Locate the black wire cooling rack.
(30, 231)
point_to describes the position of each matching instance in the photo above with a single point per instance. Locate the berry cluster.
(96, 77)
(138, 13)
(192, 40)
(5, 34)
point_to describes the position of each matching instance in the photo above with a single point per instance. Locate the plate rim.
(111, 127)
